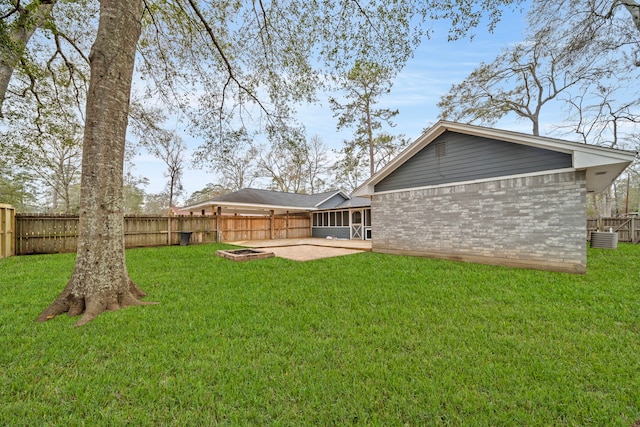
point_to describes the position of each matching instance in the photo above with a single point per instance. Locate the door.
(356, 225)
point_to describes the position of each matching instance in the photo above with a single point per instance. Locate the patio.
(308, 248)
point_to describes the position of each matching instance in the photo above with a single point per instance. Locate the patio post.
(271, 222)
(218, 212)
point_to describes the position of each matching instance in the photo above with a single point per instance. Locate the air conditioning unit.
(604, 240)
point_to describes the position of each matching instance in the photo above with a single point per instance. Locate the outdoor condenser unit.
(604, 240)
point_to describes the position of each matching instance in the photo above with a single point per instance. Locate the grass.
(365, 339)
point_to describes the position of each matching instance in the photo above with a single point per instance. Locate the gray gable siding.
(467, 158)
(333, 202)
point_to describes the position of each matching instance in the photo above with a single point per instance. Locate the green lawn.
(365, 339)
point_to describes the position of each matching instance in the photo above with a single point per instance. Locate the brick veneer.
(532, 222)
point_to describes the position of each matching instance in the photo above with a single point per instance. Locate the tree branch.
(366, 16)
(16, 8)
(231, 75)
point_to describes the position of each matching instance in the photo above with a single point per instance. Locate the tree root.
(92, 305)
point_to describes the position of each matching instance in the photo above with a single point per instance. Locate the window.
(357, 217)
(331, 219)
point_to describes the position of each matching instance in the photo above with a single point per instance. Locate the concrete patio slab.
(308, 249)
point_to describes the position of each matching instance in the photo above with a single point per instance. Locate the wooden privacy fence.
(41, 234)
(22, 234)
(7, 238)
(628, 228)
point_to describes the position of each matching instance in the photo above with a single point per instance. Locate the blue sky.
(436, 65)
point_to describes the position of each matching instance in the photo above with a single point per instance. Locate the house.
(476, 194)
(333, 213)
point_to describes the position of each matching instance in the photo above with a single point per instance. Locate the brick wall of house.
(532, 222)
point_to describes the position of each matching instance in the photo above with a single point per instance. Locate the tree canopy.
(579, 55)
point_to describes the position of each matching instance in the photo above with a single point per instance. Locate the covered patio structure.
(331, 215)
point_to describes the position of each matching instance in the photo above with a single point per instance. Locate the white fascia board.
(197, 206)
(250, 206)
(265, 207)
(365, 190)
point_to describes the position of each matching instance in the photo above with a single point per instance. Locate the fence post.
(7, 231)
(218, 212)
(169, 230)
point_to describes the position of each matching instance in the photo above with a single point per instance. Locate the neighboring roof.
(252, 199)
(275, 198)
(603, 165)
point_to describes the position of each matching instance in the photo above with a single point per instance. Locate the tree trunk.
(372, 169)
(100, 280)
(634, 9)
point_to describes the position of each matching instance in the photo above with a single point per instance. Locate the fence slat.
(626, 227)
(45, 233)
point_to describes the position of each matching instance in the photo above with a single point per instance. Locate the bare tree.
(284, 164)
(209, 191)
(350, 170)
(169, 147)
(233, 157)
(316, 164)
(606, 35)
(604, 115)
(596, 27)
(43, 134)
(521, 80)
(296, 165)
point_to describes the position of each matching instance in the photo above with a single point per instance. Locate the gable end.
(332, 202)
(455, 157)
